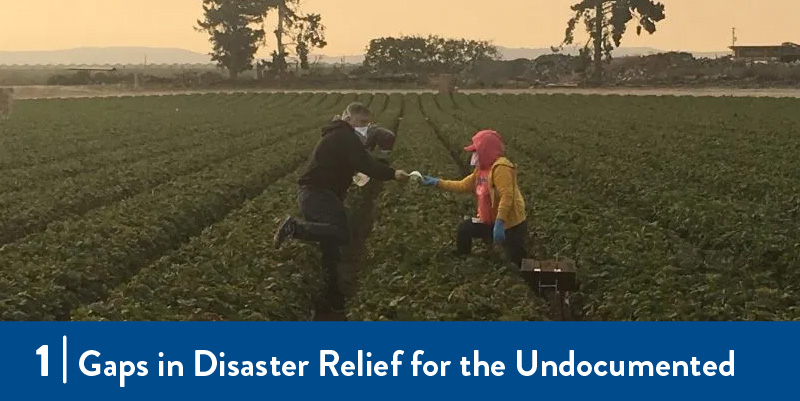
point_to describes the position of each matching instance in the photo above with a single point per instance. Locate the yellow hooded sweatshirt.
(507, 201)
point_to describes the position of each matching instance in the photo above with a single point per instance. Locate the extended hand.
(430, 181)
(499, 231)
(401, 176)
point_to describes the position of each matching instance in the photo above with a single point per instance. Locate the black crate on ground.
(560, 275)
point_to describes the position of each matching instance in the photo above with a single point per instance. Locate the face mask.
(383, 154)
(362, 131)
(474, 161)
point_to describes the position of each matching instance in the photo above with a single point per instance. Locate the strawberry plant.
(162, 208)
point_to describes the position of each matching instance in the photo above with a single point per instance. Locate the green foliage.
(232, 26)
(309, 34)
(78, 78)
(684, 214)
(109, 244)
(607, 21)
(412, 273)
(303, 31)
(431, 54)
(161, 208)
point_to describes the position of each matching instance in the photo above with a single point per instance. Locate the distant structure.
(445, 84)
(787, 52)
(6, 101)
(93, 69)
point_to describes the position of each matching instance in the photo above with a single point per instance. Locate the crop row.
(361, 209)
(91, 119)
(563, 218)
(25, 212)
(47, 131)
(169, 140)
(712, 284)
(230, 271)
(132, 216)
(50, 130)
(78, 261)
(754, 168)
(410, 272)
(566, 222)
(742, 241)
(715, 160)
(189, 137)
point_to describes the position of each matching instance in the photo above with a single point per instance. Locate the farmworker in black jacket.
(323, 187)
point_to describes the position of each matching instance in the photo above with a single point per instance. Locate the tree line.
(236, 29)
(427, 55)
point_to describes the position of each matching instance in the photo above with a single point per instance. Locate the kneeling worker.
(501, 207)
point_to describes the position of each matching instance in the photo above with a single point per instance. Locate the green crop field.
(163, 208)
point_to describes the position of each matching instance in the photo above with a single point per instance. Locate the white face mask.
(474, 161)
(362, 131)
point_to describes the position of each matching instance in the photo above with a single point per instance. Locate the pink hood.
(489, 145)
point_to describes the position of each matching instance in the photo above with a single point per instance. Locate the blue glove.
(430, 181)
(499, 231)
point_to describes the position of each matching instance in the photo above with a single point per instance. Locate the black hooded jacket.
(336, 159)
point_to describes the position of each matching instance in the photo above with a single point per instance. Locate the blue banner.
(119, 360)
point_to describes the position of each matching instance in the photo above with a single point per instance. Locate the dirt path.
(362, 218)
(67, 92)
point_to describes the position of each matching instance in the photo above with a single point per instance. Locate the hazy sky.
(699, 25)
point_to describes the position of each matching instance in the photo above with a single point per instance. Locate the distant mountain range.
(104, 55)
(515, 53)
(510, 53)
(140, 55)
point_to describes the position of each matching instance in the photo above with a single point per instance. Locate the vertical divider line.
(64, 365)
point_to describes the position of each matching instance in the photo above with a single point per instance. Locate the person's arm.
(466, 185)
(503, 178)
(365, 163)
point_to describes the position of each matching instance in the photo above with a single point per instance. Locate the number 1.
(42, 351)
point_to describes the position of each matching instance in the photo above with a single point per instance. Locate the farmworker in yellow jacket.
(501, 207)
(339, 154)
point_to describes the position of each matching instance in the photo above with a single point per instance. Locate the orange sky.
(697, 25)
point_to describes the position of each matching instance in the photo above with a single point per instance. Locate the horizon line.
(355, 54)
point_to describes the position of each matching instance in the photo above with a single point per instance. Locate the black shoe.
(285, 231)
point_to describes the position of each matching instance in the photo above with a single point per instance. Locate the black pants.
(514, 244)
(326, 223)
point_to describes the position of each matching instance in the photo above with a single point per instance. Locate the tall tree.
(234, 30)
(606, 22)
(303, 31)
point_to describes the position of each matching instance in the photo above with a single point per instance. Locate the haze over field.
(691, 25)
(136, 55)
